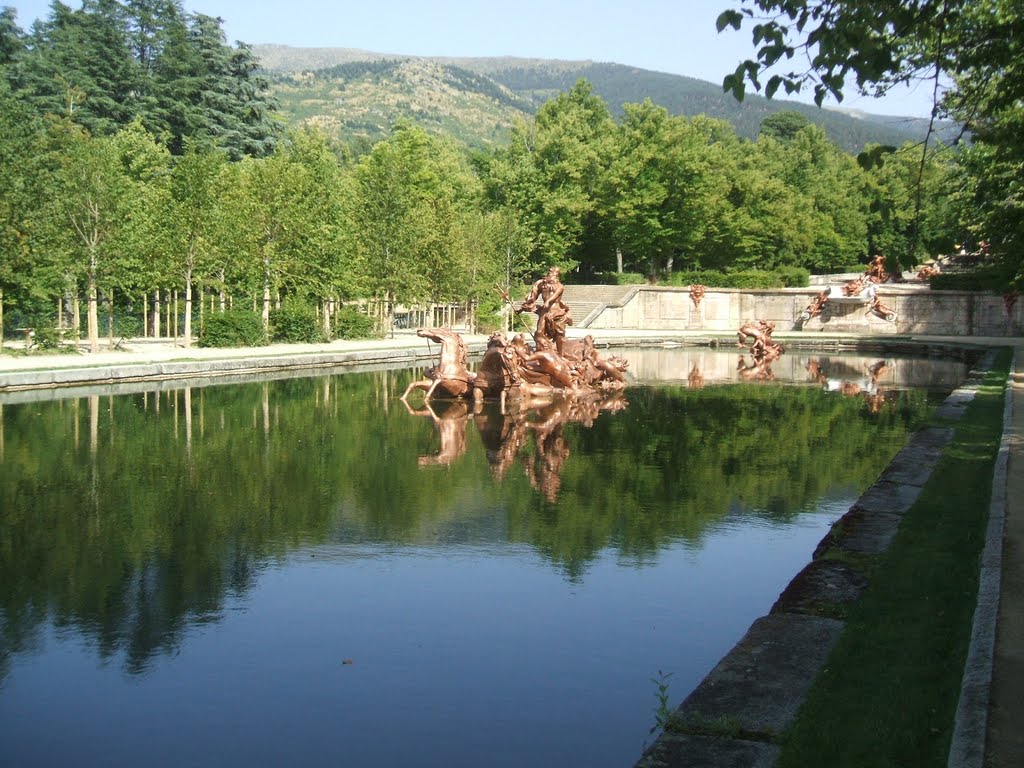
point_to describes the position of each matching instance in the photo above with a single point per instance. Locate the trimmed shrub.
(794, 277)
(237, 328)
(753, 278)
(624, 278)
(350, 323)
(130, 326)
(296, 324)
(997, 278)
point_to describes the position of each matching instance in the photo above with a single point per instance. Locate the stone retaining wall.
(919, 311)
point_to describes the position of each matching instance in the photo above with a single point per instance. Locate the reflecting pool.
(304, 571)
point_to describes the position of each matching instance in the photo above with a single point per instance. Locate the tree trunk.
(1, 320)
(145, 316)
(618, 260)
(266, 294)
(93, 321)
(76, 321)
(155, 314)
(174, 304)
(187, 343)
(110, 320)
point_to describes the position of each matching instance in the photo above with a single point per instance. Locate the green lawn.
(889, 692)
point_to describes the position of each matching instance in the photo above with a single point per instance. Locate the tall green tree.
(92, 197)
(552, 173)
(409, 191)
(660, 187)
(12, 38)
(188, 218)
(22, 180)
(78, 65)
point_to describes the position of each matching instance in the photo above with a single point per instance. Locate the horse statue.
(451, 377)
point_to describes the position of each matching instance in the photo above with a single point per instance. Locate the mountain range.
(357, 95)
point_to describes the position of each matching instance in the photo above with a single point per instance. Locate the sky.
(675, 36)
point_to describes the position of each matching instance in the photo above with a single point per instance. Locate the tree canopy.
(968, 52)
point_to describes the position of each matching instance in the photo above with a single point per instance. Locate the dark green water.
(303, 572)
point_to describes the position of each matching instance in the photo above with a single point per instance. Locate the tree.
(661, 186)
(189, 217)
(876, 42)
(12, 38)
(92, 197)
(324, 251)
(21, 179)
(78, 65)
(783, 126)
(409, 192)
(894, 228)
(551, 173)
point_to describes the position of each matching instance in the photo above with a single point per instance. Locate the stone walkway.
(989, 734)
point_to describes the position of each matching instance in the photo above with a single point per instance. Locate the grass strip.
(889, 692)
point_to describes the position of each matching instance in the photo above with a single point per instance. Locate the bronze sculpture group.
(511, 367)
(862, 288)
(763, 350)
(540, 387)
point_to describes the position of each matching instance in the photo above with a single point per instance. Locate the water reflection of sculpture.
(451, 426)
(505, 431)
(865, 386)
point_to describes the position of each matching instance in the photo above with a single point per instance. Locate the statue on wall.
(876, 270)
(880, 310)
(817, 305)
(697, 292)
(862, 290)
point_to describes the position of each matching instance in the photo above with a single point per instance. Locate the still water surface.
(302, 571)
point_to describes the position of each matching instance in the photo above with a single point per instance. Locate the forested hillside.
(363, 93)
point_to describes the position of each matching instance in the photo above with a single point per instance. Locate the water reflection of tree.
(131, 518)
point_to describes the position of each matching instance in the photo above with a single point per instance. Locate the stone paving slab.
(860, 533)
(821, 586)
(888, 498)
(914, 463)
(761, 683)
(692, 751)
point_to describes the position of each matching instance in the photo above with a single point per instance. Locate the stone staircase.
(586, 302)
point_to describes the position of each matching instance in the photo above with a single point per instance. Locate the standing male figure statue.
(552, 313)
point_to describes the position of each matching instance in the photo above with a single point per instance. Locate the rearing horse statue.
(451, 377)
